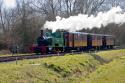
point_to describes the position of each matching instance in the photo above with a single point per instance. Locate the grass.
(72, 67)
(114, 72)
(101, 67)
(111, 54)
(63, 69)
(26, 74)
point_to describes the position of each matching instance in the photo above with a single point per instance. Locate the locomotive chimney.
(41, 33)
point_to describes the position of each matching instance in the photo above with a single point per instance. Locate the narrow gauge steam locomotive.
(59, 41)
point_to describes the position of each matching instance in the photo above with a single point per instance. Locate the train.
(64, 41)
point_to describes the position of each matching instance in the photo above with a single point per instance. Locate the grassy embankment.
(102, 67)
(112, 72)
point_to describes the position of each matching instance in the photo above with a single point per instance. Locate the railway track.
(33, 56)
(14, 58)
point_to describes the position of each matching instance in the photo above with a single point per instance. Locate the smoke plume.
(74, 23)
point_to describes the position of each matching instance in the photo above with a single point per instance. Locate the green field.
(101, 67)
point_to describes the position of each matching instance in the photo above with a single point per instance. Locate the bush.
(3, 46)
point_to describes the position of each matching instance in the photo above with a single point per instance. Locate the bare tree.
(2, 16)
(23, 22)
(88, 6)
(47, 8)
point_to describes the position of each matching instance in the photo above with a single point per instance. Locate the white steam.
(74, 23)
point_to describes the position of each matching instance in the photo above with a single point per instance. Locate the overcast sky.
(9, 3)
(109, 3)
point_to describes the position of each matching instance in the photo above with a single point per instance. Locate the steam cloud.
(74, 23)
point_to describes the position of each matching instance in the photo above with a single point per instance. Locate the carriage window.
(111, 38)
(76, 37)
(99, 38)
(81, 37)
(70, 37)
(93, 37)
(84, 37)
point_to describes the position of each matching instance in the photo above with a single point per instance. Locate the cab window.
(56, 35)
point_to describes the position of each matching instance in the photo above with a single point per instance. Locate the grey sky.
(9, 3)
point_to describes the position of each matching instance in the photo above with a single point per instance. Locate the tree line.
(21, 25)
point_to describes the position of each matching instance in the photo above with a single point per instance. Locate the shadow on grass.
(58, 69)
(100, 59)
